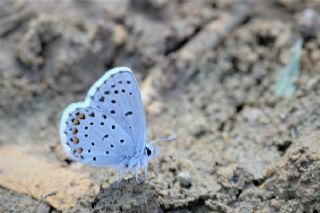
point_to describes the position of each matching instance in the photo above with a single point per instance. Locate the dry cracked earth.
(207, 71)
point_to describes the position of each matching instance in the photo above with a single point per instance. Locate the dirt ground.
(207, 72)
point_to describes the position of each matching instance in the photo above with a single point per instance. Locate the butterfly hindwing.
(93, 137)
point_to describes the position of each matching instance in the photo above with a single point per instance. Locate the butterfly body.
(108, 129)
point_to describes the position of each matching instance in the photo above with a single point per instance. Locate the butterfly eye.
(148, 151)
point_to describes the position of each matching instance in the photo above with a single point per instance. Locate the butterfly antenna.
(166, 139)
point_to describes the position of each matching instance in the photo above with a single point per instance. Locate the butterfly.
(108, 129)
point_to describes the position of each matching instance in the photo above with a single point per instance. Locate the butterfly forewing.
(118, 96)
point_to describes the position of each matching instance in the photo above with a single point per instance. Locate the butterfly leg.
(121, 174)
(138, 179)
(146, 171)
(136, 172)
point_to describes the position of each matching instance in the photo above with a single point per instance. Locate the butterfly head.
(150, 151)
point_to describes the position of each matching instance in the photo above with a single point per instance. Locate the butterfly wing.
(109, 126)
(117, 94)
(93, 137)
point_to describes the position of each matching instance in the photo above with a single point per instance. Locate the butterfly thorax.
(140, 159)
(134, 162)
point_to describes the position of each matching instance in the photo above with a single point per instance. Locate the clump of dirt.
(296, 178)
(207, 72)
(126, 196)
(14, 202)
(289, 187)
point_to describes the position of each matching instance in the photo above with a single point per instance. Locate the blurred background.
(236, 81)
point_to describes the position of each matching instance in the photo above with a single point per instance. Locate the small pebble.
(199, 131)
(43, 208)
(185, 179)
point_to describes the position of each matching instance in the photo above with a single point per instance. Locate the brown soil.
(207, 71)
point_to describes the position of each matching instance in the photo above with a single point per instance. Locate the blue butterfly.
(108, 129)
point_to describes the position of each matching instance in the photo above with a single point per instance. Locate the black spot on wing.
(128, 113)
(101, 99)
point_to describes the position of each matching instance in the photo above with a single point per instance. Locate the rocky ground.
(207, 71)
